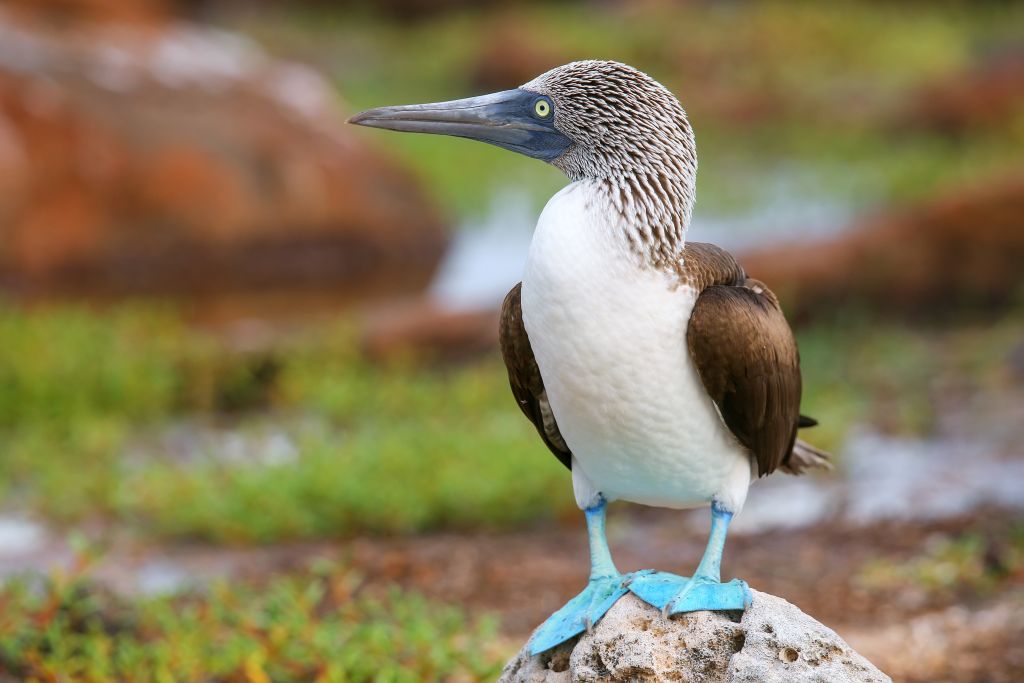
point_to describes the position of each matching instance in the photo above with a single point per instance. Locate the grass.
(89, 399)
(312, 626)
(392, 449)
(967, 562)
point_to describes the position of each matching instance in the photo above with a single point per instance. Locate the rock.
(423, 329)
(773, 642)
(136, 11)
(962, 250)
(175, 158)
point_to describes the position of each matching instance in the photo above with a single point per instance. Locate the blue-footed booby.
(656, 370)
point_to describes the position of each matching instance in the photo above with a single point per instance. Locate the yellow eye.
(542, 108)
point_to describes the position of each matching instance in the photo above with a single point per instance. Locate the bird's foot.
(674, 594)
(579, 614)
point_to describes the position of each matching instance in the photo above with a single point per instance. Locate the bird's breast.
(609, 335)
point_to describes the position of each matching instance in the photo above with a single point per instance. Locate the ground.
(919, 529)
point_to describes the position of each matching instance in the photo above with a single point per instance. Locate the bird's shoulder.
(524, 376)
(703, 265)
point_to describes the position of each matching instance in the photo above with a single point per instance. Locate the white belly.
(609, 335)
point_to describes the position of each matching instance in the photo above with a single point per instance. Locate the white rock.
(773, 642)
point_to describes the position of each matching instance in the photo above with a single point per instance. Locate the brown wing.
(524, 376)
(748, 361)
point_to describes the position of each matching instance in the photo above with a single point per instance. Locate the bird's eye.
(542, 108)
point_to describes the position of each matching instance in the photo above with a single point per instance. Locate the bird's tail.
(805, 457)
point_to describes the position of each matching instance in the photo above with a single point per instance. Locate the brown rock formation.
(424, 329)
(963, 250)
(176, 158)
(134, 11)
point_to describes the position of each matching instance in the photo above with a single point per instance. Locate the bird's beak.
(504, 119)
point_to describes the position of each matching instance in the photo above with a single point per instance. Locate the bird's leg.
(603, 589)
(710, 567)
(601, 563)
(705, 590)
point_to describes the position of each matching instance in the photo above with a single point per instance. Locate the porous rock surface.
(773, 642)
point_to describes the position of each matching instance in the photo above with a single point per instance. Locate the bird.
(655, 369)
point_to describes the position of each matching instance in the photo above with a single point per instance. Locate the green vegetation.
(969, 562)
(311, 627)
(393, 449)
(88, 399)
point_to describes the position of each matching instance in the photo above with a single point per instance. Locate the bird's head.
(591, 119)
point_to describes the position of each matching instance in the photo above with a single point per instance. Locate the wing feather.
(524, 376)
(747, 359)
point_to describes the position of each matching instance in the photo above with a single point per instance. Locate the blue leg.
(705, 590)
(603, 589)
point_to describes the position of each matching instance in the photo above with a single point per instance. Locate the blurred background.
(253, 424)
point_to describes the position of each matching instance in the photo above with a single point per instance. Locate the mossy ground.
(393, 449)
(309, 626)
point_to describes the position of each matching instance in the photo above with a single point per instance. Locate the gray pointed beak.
(505, 119)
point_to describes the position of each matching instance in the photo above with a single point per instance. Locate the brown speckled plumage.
(632, 135)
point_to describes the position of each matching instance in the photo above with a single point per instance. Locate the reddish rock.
(135, 11)
(176, 158)
(961, 251)
(423, 329)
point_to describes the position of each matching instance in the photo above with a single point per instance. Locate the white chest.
(609, 335)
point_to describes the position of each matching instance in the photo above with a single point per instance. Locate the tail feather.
(805, 457)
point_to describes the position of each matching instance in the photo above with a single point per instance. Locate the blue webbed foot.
(656, 588)
(579, 614)
(708, 594)
(583, 611)
(674, 594)
(704, 591)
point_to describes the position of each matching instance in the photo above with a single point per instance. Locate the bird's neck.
(654, 205)
(650, 183)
